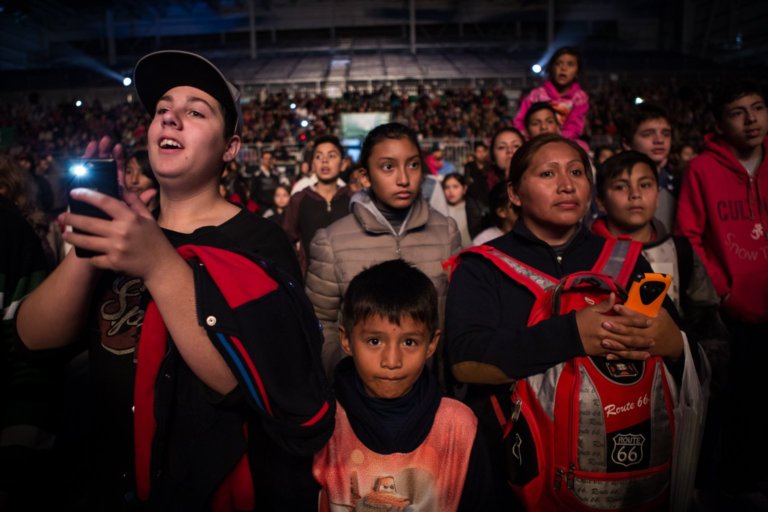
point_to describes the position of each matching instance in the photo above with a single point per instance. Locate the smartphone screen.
(95, 174)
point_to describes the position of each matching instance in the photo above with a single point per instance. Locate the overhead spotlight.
(304, 123)
(78, 103)
(127, 81)
(638, 100)
(536, 68)
(293, 106)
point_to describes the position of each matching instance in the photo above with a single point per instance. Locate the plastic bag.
(690, 415)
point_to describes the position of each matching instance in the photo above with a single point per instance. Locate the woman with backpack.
(492, 341)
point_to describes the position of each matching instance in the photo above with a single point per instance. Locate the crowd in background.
(321, 185)
(434, 112)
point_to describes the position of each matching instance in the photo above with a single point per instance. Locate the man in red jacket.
(723, 210)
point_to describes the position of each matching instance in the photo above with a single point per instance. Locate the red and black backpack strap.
(537, 282)
(618, 259)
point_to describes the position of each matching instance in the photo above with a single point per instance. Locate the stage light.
(78, 103)
(536, 68)
(293, 106)
(638, 100)
(127, 81)
(304, 123)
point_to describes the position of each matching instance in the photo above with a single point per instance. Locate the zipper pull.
(516, 410)
(571, 476)
(558, 478)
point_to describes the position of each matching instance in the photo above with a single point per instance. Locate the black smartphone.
(95, 174)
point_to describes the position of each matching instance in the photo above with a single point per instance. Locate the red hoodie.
(724, 213)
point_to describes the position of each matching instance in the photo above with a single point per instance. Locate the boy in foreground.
(396, 441)
(216, 413)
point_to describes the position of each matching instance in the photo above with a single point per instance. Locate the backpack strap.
(537, 282)
(684, 251)
(618, 258)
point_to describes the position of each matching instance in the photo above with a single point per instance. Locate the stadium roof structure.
(78, 43)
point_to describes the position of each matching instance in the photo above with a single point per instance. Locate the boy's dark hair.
(327, 139)
(479, 144)
(456, 176)
(618, 164)
(637, 116)
(537, 107)
(392, 289)
(731, 91)
(564, 50)
(599, 149)
(522, 158)
(388, 131)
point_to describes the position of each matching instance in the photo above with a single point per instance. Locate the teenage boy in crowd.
(541, 118)
(217, 409)
(397, 443)
(647, 129)
(321, 203)
(723, 210)
(628, 194)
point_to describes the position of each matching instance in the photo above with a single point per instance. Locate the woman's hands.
(614, 331)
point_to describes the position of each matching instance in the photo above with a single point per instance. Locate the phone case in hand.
(647, 294)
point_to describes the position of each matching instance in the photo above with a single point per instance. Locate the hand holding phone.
(95, 174)
(647, 293)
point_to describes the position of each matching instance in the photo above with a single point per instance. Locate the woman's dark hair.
(498, 197)
(392, 289)
(384, 132)
(456, 176)
(16, 187)
(618, 164)
(523, 157)
(600, 149)
(142, 158)
(564, 50)
(284, 187)
(538, 107)
(496, 136)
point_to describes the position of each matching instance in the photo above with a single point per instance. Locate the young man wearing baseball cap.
(213, 424)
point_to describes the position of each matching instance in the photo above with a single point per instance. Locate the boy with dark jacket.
(320, 204)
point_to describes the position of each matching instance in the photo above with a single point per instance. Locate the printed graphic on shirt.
(745, 253)
(562, 108)
(411, 490)
(120, 314)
